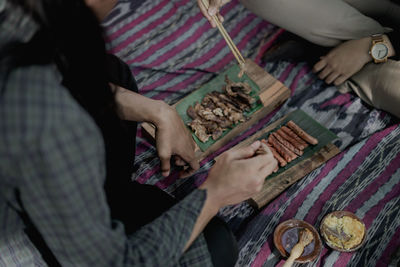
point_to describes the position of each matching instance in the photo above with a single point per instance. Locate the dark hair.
(70, 36)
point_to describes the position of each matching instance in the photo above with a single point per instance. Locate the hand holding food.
(238, 174)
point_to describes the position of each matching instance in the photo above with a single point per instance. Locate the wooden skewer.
(305, 238)
(231, 44)
(229, 41)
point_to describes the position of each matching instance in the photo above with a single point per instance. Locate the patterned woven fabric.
(172, 50)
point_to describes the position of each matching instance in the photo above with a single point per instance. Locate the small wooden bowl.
(340, 214)
(286, 236)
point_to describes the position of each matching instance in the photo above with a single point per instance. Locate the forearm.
(135, 107)
(174, 231)
(208, 211)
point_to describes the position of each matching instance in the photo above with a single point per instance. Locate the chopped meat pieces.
(219, 111)
(192, 113)
(199, 130)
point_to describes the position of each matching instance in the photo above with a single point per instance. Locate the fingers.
(214, 7)
(213, 10)
(194, 164)
(221, 18)
(329, 74)
(259, 162)
(179, 161)
(186, 172)
(269, 167)
(187, 158)
(244, 152)
(325, 72)
(332, 77)
(320, 65)
(341, 79)
(165, 158)
(205, 13)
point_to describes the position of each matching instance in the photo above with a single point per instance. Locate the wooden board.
(276, 185)
(272, 94)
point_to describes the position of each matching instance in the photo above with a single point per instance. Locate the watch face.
(379, 51)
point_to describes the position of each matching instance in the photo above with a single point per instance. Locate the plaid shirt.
(52, 169)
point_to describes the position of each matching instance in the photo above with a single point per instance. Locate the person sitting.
(364, 34)
(68, 118)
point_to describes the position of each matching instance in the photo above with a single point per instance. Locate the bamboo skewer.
(231, 44)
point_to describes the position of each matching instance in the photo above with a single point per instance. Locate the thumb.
(246, 152)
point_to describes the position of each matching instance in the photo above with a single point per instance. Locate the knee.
(221, 243)
(385, 93)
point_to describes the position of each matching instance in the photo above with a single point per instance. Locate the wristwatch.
(379, 49)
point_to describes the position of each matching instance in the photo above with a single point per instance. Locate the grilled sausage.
(290, 139)
(294, 135)
(283, 151)
(287, 144)
(278, 157)
(300, 132)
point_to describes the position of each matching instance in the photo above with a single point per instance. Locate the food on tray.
(281, 148)
(305, 136)
(300, 142)
(344, 232)
(219, 111)
(288, 142)
(282, 162)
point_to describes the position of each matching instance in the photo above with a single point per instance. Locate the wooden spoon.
(305, 238)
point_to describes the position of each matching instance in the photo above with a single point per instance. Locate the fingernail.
(212, 11)
(165, 173)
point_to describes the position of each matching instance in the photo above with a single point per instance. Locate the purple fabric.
(172, 50)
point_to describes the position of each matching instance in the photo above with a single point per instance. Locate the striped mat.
(172, 50)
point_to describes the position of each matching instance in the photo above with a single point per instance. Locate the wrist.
(161, 114)
(213, 204)
(366, 44)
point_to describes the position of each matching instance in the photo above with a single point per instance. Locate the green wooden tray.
(217, 84)
(313, 128)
